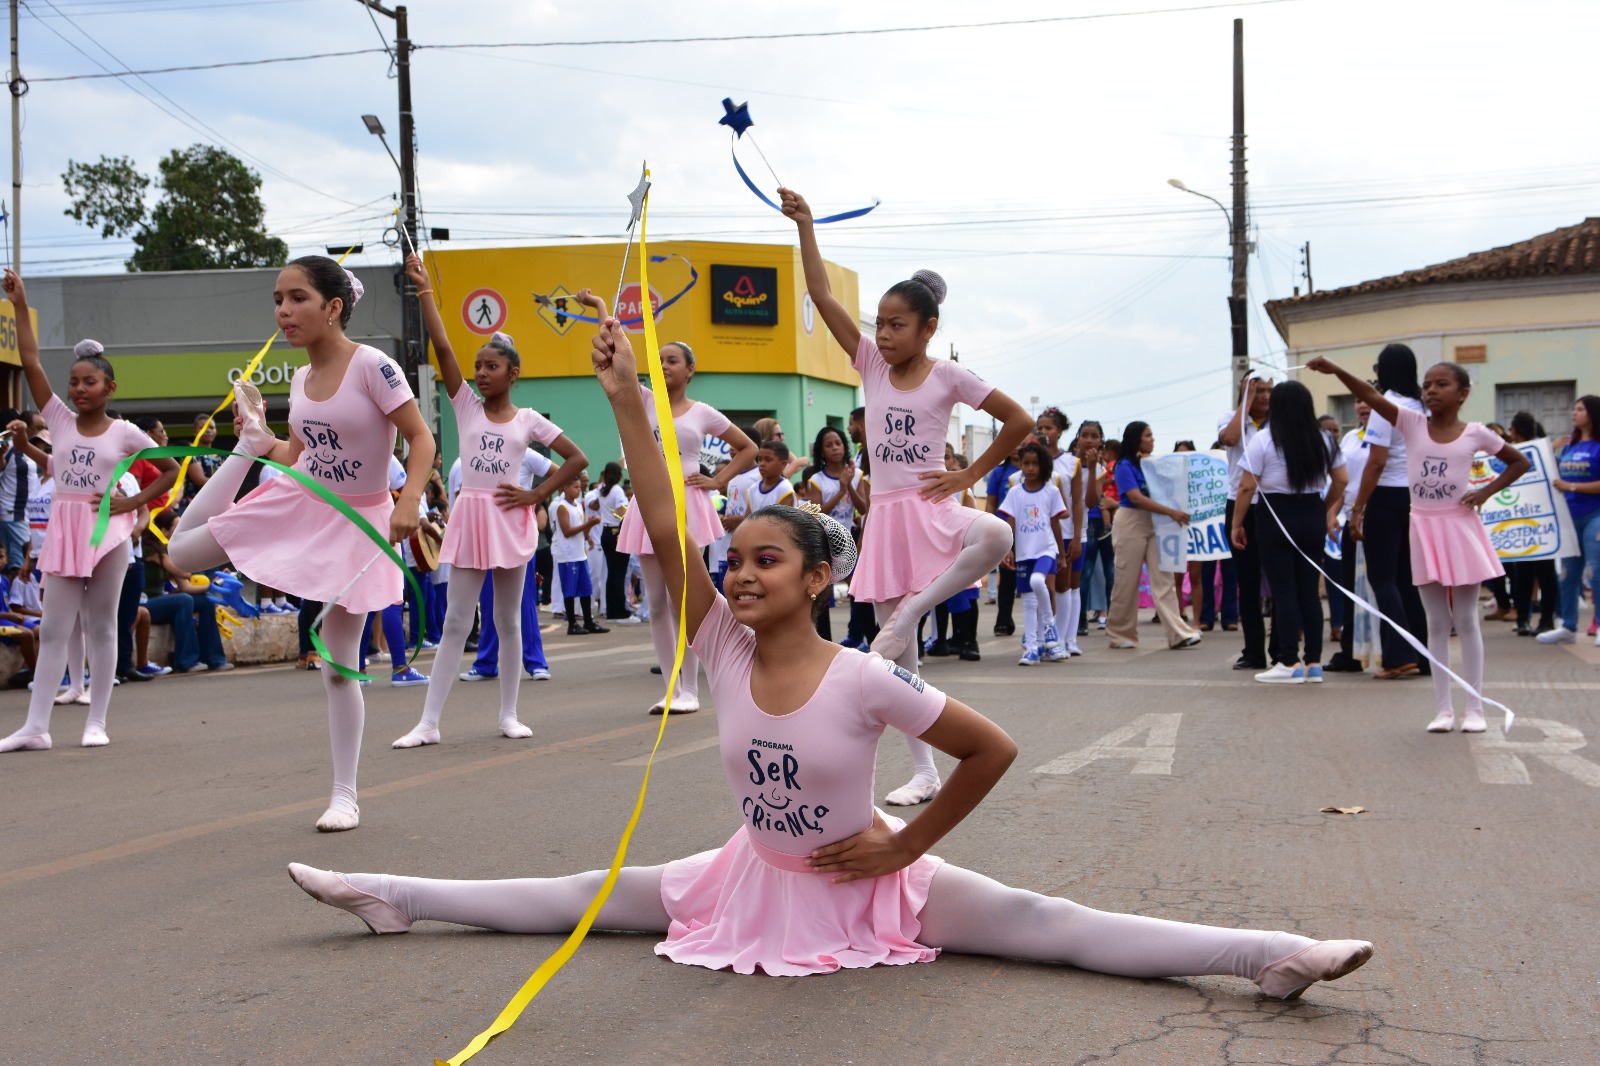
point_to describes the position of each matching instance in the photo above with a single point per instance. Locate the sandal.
(1396, 672)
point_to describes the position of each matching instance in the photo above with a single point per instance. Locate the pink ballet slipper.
(331, 888)
(18, 742)
(339, 819)
(1326, 960)
(419, 736)
(254, 434)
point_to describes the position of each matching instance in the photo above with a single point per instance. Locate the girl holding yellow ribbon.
(344, 410)
(816, 879)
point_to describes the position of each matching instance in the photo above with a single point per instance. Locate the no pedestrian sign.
(484, 311)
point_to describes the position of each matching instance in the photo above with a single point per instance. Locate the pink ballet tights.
(66, 601)
(966, 912)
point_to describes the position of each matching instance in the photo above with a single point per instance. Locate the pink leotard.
(804, 779)
(906, 430)
(491, 452)
(348, 438)
(83, 464)
(693, 426)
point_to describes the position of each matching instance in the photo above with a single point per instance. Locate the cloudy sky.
(1026, 163)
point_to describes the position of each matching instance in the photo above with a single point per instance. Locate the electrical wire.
(205, 66)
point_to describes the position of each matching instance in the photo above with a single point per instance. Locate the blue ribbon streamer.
(764, 198)
(694, 276)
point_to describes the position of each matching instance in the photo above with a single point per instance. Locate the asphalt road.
(148, 918)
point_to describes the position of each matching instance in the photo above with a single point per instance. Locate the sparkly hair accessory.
(357, 290)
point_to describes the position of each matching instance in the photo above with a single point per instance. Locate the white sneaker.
(540, 674)
(1056, 652)
(1281, 674)
(631, 620)
(1558, 635)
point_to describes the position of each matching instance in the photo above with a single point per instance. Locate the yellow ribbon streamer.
(669, 442)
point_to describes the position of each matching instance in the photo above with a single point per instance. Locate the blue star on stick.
(737, 118)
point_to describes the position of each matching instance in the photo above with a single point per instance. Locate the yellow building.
(1524, 320)
(760, 347)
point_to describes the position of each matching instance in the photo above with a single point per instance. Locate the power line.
(208, 66)
(865, 33)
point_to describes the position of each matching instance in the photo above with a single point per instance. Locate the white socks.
(1463, 616)
(526, 904)
(664, 634)
(925, 775)
(341, 631)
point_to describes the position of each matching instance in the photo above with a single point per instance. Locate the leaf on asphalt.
(1344, 810)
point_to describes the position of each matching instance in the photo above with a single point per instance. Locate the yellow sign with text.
(8, 332)
(534, 287)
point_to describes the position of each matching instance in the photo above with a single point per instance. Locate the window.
(1548, 401)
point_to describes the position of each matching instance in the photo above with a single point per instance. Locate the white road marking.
(1500, 760)
(671, 753)
(1154, 756)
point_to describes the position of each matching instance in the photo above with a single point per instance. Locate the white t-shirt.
(39, 514)
(736, 503)
(1235, 452)
(564, 548)
(844, 512)
(605, 504)
(1030, 512)
(25, 594)
(1381, 434)
(1263, 459)
(757, 497)
(1354, 449)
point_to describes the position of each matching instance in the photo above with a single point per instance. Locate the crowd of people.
(881, 511)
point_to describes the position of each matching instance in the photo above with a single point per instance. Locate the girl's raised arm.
(1361, 390)
(449, 369)
(841, 323)
(27, 343)
(614, 365)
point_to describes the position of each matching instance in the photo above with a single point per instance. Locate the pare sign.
(630, 306)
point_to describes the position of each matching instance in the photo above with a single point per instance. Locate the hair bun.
(88, 349)
(841, 547)
(935, 284)
(357, 290)
(503, 338)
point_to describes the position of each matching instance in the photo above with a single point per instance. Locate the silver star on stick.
(636, 199)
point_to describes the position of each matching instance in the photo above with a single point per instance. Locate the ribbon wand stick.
(636, 199)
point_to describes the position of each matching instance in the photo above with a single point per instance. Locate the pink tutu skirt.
(705, 525)
(66, 551)
(482, 535)
(285, 538)
(1451, 548)
(733, 909)
(907, 542)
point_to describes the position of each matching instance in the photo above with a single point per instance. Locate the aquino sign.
(744, 296)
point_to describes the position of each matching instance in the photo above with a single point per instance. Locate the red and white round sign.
(630, 306)
(484, 311)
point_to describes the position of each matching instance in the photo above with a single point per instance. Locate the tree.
(209, 217)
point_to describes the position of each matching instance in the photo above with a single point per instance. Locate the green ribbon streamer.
(177, 451)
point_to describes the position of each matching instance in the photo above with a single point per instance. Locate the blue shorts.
(575, 579)
(1077, 563)
(1026, 568)
(964, 600)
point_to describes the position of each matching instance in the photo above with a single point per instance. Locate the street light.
(1239, 293)
(375, 128)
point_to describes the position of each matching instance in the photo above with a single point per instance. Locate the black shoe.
(1342, 664)
(1244, 662)
(940, 648)
(575, 630)
(1083, 631)
(1524, 629)
(135, 676)
(969, 654)
(1005, 631)
(595, 627)
(470, 645)
(20, 679)
(655, 670)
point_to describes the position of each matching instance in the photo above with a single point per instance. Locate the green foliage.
(108, 194)
(209, 217)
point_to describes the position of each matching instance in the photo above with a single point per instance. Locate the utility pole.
(1305, 255)
(1241, 261)
(18, 89)
(411, 332)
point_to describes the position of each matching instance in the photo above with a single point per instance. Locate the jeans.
(1097, 550)
(193, 619)
(1572, 569)
(1247, 567)
(488, 661)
